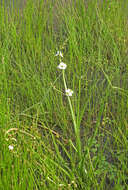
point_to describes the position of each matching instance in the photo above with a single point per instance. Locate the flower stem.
(77, 131)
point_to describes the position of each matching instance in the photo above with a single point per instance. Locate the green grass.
(61, 142)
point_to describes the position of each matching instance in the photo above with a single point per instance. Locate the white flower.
(62, 66)
(69, 92)
(59, 53)
(10, 147)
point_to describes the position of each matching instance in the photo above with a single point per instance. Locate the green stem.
(77, 132)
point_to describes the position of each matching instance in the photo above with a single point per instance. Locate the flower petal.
(10, 147)
(59, 53)
(69, 92)
(62, 66)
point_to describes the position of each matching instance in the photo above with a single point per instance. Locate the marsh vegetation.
(64, 95)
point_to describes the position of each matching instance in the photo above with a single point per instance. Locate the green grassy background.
(34, 112)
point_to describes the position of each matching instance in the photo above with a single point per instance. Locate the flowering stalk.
(77, 132)
(62, 66)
